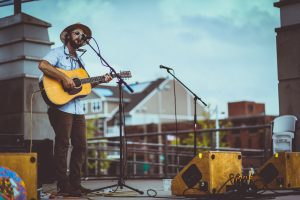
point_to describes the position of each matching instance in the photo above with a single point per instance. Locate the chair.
(283, 128)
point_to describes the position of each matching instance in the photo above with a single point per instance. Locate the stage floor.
(154, 184)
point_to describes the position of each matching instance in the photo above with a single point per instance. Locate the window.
(84, 106)
(250, 108)
(96, 106)
(100, 126)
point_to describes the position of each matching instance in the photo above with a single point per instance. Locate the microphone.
(164, 67)
(81, 50)
(84, 37)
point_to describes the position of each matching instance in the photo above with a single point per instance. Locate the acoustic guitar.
(54, 94)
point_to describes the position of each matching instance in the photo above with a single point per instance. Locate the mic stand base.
(120, 184)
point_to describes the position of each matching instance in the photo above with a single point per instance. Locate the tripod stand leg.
(99, 189)
(136, 190)
(117, 185)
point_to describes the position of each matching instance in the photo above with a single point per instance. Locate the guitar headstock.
(125, 74)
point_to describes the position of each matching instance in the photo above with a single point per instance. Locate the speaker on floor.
(44, 150)
(281, 171)
(207, 173)
(25, 165)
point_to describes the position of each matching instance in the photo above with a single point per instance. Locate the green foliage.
(90, 128)
(90, 133)
(204, 139)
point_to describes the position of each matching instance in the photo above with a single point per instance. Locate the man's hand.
(107, 78)
(68, 83)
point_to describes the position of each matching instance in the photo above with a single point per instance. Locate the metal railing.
(156, 155)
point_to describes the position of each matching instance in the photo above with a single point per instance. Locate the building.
(151, 103)
(247, 113)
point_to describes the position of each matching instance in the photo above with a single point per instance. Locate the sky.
(223, 50)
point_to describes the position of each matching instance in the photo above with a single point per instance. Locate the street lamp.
(216, 111)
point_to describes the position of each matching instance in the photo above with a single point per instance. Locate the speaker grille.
(192, 176)
(268, 173)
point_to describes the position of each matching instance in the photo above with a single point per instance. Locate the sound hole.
(77, 82)
(77, 88)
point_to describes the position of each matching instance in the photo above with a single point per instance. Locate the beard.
(75, 44)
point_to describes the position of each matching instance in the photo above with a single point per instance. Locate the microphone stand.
(195, 107)
(121, 182)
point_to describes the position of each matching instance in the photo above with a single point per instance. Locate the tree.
(90, 133)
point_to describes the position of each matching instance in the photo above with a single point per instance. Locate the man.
(68, 121)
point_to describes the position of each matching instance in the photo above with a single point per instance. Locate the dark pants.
(68, 126)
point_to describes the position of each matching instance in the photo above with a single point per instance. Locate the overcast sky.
(224, 50)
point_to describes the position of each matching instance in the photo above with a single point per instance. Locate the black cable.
(151, 190)
(176, 124)
(231, 176)
(99, 52)
(125, 140)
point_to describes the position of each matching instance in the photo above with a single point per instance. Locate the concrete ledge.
(18, 58)
(285, 3)
(22, 18)
(26, 39)
(287, 28)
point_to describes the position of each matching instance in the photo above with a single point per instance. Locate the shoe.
(69, 192)
(63, 190)
(75, 193)
(85, 190)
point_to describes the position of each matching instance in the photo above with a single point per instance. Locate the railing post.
(213, 140)
(134, 162)
(96, 159)
(166, 155)
(86, 165)
(267, 143)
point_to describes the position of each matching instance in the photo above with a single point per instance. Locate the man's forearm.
(49, 70)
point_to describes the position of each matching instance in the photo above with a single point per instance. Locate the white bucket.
(167, 184)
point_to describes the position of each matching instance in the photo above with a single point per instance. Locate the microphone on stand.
(164, 67)
(84, 37)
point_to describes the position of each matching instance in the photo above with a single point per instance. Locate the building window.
(100, 127)
(84, 106)
(250, 108)
(96, 106)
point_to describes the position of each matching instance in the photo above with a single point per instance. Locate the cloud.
(223, 50)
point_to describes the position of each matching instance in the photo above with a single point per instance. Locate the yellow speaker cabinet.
(207, 173)
(281, 171)
(25, 165)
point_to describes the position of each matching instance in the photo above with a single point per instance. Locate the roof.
(141, 90)
(22, 18)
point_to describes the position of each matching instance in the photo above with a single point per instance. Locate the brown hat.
(87, 31)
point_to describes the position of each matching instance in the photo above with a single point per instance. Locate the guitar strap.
(81, 65)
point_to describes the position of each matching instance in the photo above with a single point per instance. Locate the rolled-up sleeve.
(52, 57)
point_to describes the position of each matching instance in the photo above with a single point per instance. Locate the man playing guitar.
(68, 121)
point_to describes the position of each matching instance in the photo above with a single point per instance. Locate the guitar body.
(54, 93)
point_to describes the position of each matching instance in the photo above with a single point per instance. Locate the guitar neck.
(100, 79)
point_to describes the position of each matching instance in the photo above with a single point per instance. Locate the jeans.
(68, 126)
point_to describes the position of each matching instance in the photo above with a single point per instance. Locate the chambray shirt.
(59, 57)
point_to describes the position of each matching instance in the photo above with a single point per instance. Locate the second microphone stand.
(121, 181)
(195, 108)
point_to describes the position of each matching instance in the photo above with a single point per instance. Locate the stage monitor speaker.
(207, 173)
(25, 165)
(281, 171)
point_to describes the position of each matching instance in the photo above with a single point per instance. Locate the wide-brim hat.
(87, 31)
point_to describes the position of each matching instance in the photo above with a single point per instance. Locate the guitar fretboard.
(93, 79)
